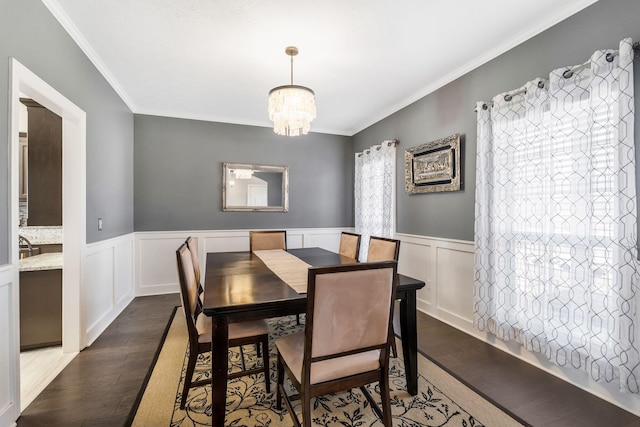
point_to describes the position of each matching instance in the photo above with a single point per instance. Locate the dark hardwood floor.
(529, 394)
(100, 386)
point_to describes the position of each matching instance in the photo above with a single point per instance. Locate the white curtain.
(556, 266)
(374, 193)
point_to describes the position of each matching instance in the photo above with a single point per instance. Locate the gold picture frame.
(434, 167)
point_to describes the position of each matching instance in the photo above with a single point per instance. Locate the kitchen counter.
(49, 261)
(42, 235)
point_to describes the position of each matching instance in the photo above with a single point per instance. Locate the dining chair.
(199, 328)
(349, 245)
(193, 248)
(384, 249)
(267, 239)
(345, 343)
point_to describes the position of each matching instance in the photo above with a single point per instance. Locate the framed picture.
(433, 167)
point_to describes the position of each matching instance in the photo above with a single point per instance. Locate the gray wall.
(178, 162)
(178, 175)
(30, 34)
(449, 110)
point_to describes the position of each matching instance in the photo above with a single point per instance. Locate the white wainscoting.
(108, 282)
(447, 268)
(9, 353)
(144, 263)
(155, 252)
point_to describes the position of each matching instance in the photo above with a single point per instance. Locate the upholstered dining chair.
(199, 328)
(267, 239)
(349, 244)
(329, 356)
(193, 248)
(384, 249)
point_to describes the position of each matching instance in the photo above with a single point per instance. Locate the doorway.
(26, 83)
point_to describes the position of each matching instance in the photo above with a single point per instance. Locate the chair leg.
(297, 319)
(386, 400)
(265, 361)
(191, 366)
(306, 409)
(244, 368)
(280, 370)
(394, 349)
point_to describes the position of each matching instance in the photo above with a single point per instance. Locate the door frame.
(25, 82)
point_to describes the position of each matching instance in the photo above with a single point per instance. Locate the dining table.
(239, 286)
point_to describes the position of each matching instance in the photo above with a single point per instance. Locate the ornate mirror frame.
(234, 173)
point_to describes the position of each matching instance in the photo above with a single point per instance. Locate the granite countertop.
(42, 235)
(49, 261)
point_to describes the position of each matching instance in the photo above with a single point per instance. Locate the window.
(556, 261)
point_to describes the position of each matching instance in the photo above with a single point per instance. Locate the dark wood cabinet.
(40, 308)
(44, 138)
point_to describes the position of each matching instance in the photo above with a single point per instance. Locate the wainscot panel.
(155, 252)
(9, 354)
(108, 282)
(454, 278)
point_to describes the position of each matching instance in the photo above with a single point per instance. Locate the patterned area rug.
(441, 399)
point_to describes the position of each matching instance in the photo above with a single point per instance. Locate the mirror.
(255, 188)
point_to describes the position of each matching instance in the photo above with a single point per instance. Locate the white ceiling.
(365, 59)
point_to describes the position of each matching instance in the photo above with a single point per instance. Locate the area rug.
(441, 400)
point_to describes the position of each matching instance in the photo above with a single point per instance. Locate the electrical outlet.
(99, 223)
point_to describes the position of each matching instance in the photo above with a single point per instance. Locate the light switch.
(99, 223)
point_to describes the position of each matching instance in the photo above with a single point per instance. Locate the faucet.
(22, 242)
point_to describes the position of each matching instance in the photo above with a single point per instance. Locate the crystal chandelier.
(291, 107)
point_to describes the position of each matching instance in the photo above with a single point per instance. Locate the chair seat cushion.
(236, 330)
(291, 349)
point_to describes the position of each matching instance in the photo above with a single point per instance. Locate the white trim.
(25, 82)
(84, 45)
(9, 351)
(107, 254)
(559, 15)
(73, 191)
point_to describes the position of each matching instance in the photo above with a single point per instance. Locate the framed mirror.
(255, 188)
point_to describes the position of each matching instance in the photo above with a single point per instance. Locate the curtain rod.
(567, 75)
(389, 143)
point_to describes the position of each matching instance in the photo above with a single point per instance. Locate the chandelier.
(291, 107)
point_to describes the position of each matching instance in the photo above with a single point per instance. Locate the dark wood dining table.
(240, 287)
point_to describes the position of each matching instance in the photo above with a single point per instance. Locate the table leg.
(409, 333)
(219, 363)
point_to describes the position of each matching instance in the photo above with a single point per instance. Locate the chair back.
(268, 239)
(349, 310)
(383, 249)
(188, 289)
(193, 248)
(349, 245)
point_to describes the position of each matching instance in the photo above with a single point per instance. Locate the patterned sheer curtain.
(556, 266)
(374, 192)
